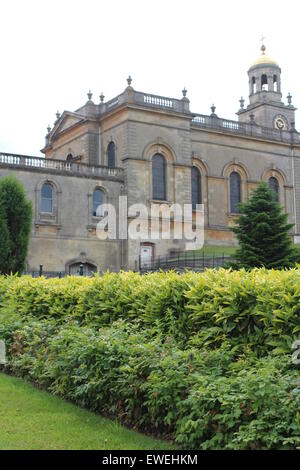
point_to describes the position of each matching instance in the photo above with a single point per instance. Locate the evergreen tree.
(4, 238)
(263, 232)
(15, 225)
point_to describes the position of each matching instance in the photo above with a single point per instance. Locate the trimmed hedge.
(204, 359)
(260, 308)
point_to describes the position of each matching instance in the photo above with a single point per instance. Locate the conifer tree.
(263, 232)
(4, 238)
(15, 225)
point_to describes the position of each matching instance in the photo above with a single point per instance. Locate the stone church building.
(154, 149)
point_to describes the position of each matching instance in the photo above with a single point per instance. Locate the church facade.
(154, 150)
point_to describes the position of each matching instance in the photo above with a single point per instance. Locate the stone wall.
(69, 234)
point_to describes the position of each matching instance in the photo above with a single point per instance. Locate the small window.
(264, 82)
(47, 198)
(273, 183)
(97, 201)
(159, 177)
(69, 157)
(235, 192)
(275, 83)
(196, 187)
(111, 155)
(254, 85)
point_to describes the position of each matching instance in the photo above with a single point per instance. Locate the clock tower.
(265, 98)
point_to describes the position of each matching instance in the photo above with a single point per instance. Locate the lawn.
(217, 250)
(34, 419)
(207, 251)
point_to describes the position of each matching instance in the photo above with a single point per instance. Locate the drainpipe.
(99, 147)
(293, 174)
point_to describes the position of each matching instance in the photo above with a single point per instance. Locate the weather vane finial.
(263, 47)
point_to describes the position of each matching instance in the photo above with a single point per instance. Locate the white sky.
(53, 52)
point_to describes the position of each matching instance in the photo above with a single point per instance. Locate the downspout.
(293, 177)
(99, 146)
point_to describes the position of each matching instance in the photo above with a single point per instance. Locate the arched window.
(264, 82)
(235, 192)
(111, 155)
(275, 83)
(47, 198)
(196, 187)
(159, 177)
(97, 201)
(274, 185)
(254, 85)
(88, 268)
(69, 157)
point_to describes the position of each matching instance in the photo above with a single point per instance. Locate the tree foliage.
(263, 232)
(15, 225)
(4, 237)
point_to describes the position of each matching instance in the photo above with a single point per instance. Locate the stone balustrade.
(60, 166)
(201, 120)
(132, 97)
(244, 128)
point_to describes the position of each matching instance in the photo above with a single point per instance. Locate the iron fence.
(186, 260)
(82, 271)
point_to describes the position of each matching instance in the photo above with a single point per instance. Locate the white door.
(146, 256)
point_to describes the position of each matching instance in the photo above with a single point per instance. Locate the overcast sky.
(53, 52)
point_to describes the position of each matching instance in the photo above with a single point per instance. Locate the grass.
(217, 250)
(32, 419)
(207, 251)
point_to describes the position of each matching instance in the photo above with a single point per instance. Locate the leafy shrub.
(202, 358)
(43, 298)
(259, 309)
(253, 408)
(203, 399)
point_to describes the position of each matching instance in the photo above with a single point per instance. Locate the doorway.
(146, 256)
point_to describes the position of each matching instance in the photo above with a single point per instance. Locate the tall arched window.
(111, 155)
(274, 185)
(254, 85)
(235, 192)
(97, 201)
(47, 198)
(196, 187)
(275, 83)
(159, 177)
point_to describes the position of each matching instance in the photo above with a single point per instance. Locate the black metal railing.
(81, 271)
(186, 260)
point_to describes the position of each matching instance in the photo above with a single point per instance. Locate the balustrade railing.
(158, 101)
(155, 101)
(59, 165)
(245, 128)
(198, 120)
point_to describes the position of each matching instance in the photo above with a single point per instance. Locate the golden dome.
(264, 59)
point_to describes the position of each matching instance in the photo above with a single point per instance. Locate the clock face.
(280, 123)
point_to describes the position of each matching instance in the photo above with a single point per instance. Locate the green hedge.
(202, 399)
(204, 359)
(259, 309)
